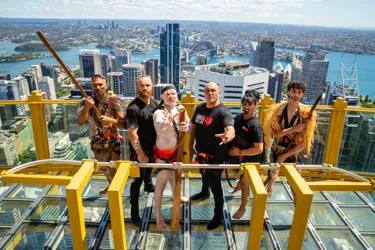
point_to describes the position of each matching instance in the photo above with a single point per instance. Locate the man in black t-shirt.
(142, 136)
(212, 128)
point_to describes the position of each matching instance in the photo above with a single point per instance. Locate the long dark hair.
(251, 96)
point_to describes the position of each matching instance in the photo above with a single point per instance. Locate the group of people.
(215, 138)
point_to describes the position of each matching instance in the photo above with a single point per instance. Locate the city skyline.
(332, 13)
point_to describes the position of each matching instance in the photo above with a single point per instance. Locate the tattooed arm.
(136, 143)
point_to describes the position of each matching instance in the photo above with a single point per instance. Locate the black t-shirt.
(248, 132)
(140, 115)
(209, 122)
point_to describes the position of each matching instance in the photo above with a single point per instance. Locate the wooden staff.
(175, 220)
(62, 64)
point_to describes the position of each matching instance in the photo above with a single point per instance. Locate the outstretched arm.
(228, 135)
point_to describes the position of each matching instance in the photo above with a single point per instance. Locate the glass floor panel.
(318, 196)
(127, 206)
(370, 239)
(58, 191)
(233, 206)
(11, 211)
(3, 189)
(241, 234)
(49, 210)
(195, 186)
(3, 231)
(201, 238)
(202, 210)
(93, 188)
(279, 193)
(322, 214)
(26, 191)
(227, 188)
(132, 235)
(31, 236)
(369, 197)
(170, 239)
(65, 241)
(361, 217)
(166, 209)
(339, 239)
(283, 237)
(94, 210)
(346, 198)
(280, 214)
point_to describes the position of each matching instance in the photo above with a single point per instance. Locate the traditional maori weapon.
(315, 104)
(58, 59)
(177, 187)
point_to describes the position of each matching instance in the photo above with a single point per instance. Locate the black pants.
(212, 178)
(145, 176)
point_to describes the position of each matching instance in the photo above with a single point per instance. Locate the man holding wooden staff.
(291, 124)
(168, 125)
(212, 128)
(105, 141)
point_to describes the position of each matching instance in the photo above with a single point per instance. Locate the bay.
(365, 63)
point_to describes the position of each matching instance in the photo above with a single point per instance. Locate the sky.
(328, 13)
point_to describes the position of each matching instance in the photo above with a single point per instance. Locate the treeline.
(40, 47)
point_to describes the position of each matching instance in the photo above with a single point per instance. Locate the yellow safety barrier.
(35, 179)
(302, 205)
(75, 206)
(116, 203)
(251, 172)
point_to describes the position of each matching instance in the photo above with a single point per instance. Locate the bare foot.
(269, 191)
(238, 215)
(160, 222)
(184, 199)
(104, 190)
(235, 190)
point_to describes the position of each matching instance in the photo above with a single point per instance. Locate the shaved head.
(211, 93)
(211, 85)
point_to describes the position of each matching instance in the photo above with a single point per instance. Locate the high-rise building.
(152, 69)
(45, 69)
(7, 150)
(23, 87)
(275, 85)
(131, 73)
(314, 73)
(46, 85)
(253, 48)
(38, 71)
(9, 90)
(115, 82)
(31, 81)
(89, 62)
(201, 60)
(122, 56)
(106, 64)
(264, 54)
(156, 92)
(233, 78)
(113, 24)
(296, 68)
(170, 47)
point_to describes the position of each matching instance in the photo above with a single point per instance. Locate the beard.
(145, 93)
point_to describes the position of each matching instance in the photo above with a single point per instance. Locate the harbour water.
(365, 63)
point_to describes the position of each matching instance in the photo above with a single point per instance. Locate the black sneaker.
(135, 216)
(149, 188)
(200, 196)
(215, 222)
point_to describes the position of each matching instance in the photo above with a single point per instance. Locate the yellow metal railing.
(258, 206)
(337, 120)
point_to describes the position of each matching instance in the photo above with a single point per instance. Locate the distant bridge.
(202, 48)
